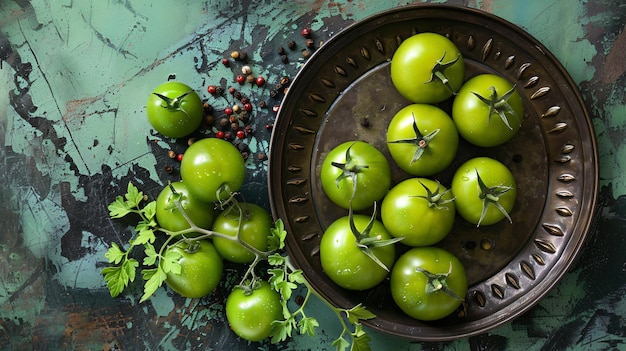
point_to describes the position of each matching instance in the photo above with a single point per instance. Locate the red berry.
(241, 134)
(179, 157)
(219, 134)
(306, 32)
(247, 106)
(276, 108)
(225, 61)
(212, 89)
(232, 90)
(260, 81)
(240, 79)
(228, 111)
(227, 136)
(269, 126)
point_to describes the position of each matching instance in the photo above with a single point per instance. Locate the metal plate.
(553, 158)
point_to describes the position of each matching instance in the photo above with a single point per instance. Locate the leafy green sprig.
(283, 276)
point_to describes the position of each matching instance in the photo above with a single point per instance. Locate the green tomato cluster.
(358, 252)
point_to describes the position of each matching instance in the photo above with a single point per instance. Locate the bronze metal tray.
(553, 158)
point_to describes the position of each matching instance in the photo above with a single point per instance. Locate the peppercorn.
(241, 134)
(310, 43)
(364, 122)
(238, 95)
(250, 79)
(246, 70)
(224, 122)
(291, 44)
(211, 89)
(281, 50)
(273, 93)
(179, 157)
(306, 32)
(284, 59)
(225, 62)
(234, 126)
(232, 90)
(262, 156)
(228, 111)
(191, 141)
(306, 53)
(171, 154)
(243, 56)
(169, 169)
(234, 54)
(236, 108)
(207, 107)
(209, 119)
(240, 78)
(219, 90)
(260, 81)
(262, 104)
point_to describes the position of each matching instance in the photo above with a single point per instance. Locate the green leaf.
(119, 208)
(146, 235)
(149, 211)
(341, 344)
(156, 277)
(169, 262)
(117, 278)
(114, 254)
(307, 326)
(281, 330)
(357, 313)
(113, 281)
(133, 196)
(276, 240)
(297, 277)
(277, 275)
(360, 340)
(151, 255)
(276, 260)
(285, 289)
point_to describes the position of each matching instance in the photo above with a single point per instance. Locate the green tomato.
(251, 313)
(428, 283)
(427, 68)
(169, 217)
(255, 230)
(489, 202)
(201, 268)
(355, 160)
(208, 165)
(174, 109)
(345, 263)
(422, 139)
(487, 110)
(419, 209)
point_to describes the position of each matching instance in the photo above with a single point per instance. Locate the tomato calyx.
(438, 282)
(437, 73)
(366, 243)
(175, 104)
(420, 140)
(436, 198)
(350, 170)
(491, 196)
(499, 104)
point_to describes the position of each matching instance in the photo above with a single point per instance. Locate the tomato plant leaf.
(276, 260)
(146, 235)
(114, 254)
(358, 312)
(113, 281)
(276, 240)
(133, 196)
(151, 255)
(307, 325)
(156, 277)
(149, 211)
(169, 262)
(281, 330)
(297, 277)
(119, 208)
(285, 289)
(360, 339)
(340, 343)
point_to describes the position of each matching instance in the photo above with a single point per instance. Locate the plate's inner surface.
(552, 158)
(484, 250)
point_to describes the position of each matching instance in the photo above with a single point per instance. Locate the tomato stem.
(435, 198)
(438, 282)
(437, 73)
(491, 196)
(421, 141)
(499, 105)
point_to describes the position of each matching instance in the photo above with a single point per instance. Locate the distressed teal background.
(74, 76)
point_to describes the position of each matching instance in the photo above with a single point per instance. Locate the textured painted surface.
(73, 80)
